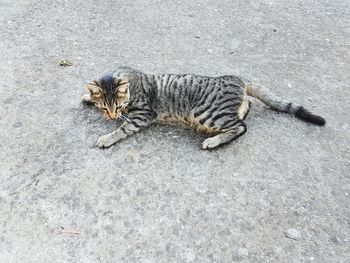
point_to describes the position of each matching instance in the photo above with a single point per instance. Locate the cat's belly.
(187, 121)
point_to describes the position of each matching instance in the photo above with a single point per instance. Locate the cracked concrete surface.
(280, 193)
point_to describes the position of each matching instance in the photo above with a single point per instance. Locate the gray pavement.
(281, 193)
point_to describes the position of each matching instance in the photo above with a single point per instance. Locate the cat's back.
(191, 86)
(195, 82)
(180, 93)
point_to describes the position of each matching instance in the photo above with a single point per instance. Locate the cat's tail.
(278, 104)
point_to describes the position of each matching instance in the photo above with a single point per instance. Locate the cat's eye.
(119, 107)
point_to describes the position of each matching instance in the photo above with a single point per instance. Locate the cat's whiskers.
(124, 118)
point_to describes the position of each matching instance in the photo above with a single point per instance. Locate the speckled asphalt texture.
(280, 193)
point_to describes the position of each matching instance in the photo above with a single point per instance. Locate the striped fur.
(215, 105)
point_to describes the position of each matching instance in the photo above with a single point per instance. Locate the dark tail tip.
(307, 116)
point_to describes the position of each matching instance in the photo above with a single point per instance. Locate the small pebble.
(335, 240)
(293, 234)
(65, 63)
(17, 124)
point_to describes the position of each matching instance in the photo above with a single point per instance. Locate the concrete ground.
(281, 193)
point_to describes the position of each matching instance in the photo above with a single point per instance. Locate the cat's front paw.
(106, 141)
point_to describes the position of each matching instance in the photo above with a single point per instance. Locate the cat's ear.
(94, 88)
(122, 88)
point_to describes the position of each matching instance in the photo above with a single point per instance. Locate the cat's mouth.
(114, 116)
(111, 115)
(117, 115)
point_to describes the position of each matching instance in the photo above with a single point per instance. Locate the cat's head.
(110, 94)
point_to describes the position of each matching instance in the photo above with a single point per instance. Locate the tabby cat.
(214, 105)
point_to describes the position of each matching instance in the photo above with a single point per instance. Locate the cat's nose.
(112, 115)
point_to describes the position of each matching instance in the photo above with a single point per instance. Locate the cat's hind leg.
(230, 134)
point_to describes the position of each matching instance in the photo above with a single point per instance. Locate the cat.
(215, 105)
